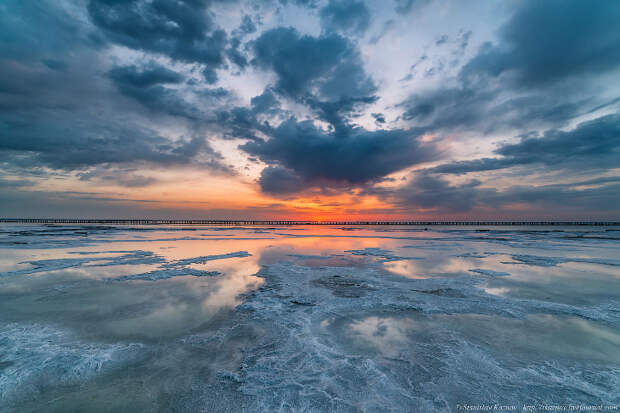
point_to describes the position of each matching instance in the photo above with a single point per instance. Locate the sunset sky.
(338, 109)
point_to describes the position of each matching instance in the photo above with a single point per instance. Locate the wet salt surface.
(100, 318)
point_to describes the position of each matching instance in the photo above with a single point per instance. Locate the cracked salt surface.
(306, 319)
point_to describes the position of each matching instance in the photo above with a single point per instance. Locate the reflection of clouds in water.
(175, 306)
(545, 336)
(160, 321)
(496, 290)
(238, 278)
(386, 334)
(404, 329)
(103, 272)
(605, 336)
(430, 266)
(405, 268)
(228, 291)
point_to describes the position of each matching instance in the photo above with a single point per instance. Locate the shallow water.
(308, 318)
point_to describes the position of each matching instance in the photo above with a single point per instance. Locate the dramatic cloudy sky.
(385, 109)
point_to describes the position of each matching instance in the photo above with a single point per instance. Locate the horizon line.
(173, 221)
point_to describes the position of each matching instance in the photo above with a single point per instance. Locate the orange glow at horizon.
(199, 195)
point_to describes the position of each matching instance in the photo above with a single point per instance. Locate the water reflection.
(386, 334)
(207, 305)
(414, 253)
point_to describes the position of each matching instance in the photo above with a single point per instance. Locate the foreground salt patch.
(34, 358)
(356, 339)
(137, 257)
(181, 268)
(127, 258)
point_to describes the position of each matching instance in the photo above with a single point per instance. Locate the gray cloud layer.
(593, 144)
(101, 85)
(307, 156)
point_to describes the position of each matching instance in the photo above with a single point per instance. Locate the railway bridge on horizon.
(237, 222)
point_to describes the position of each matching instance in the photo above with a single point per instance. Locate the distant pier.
(238, 222)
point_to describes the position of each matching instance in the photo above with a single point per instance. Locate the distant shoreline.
(235, 222)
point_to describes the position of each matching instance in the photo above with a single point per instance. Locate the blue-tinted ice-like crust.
(180, 268)
(74, 236)
(305, 345)
(206, 258)
(36, 357)
(386, 255)
(127, 258)
(298, 364)
(163, 274)
(544, 261)
(166, 269)
(489, 273)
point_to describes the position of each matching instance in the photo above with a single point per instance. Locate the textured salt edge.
(166, 270)
(295, 366)
(36, 357)
(489, 273)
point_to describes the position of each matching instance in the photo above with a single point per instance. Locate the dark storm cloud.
(60, 111)
(247, 26)
(486, 109)
(539, 73)
(598, 138)
(425, 191)
(311, 155)
(448, 108)
(600, 198)
(265, 102)
(590, 145)
(209, 75)
(329, 64)
(326, 74)
(183, 30)
(235, 55)
(338, 113)
(243, 122)
(435, 194)
(550, 41)
(61, 141)
(379, 118)
(345, 15)
(146, 76)
(276, 180)
(147, 85)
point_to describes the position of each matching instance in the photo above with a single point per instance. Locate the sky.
(310, 109)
